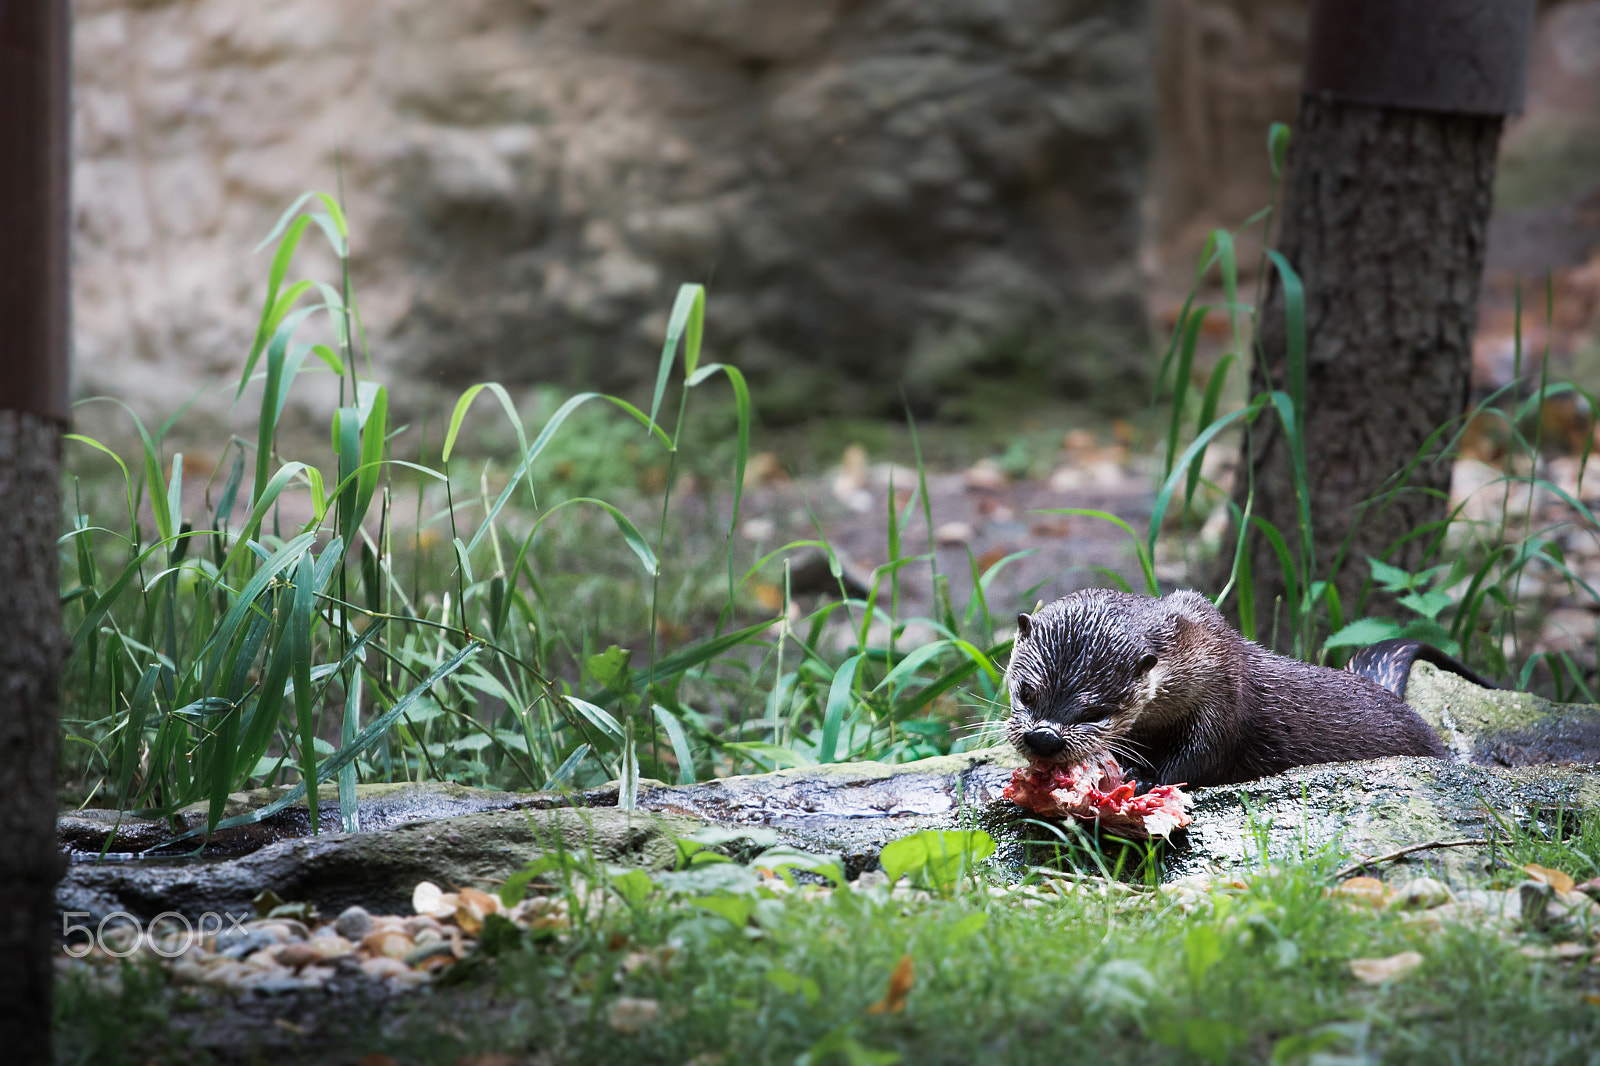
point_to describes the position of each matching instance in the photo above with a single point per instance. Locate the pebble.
(281, 955)
(353, 923)
(952, 534)
(1421, 893)
(394, 944)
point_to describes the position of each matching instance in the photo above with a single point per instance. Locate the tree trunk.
(33, 408)
(1384, 218)
(31, 648)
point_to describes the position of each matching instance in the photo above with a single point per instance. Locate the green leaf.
(1277, 146)
(736, 909)
(839, 700)
(681, 748)
(972, 924)
(634, 886)
(779, 756)
(685, 324)
(1202, 949)
(1362, 632)
(1391, 578)
(741, 405)
(940, 855)
(804, 987)
(609, 669)
(784, 857)
(515, 887)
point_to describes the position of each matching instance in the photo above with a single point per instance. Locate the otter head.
(1082, 672)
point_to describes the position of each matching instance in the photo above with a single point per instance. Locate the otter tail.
(1389, 662)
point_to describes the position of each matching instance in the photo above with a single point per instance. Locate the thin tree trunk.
(33, 407)
(31, 648)
(1384, 218)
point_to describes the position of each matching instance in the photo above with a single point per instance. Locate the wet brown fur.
(1169, 688)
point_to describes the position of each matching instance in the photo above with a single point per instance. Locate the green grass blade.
(680, 744)
(686, 659)
(839, 700)
(685, 324)
(349, 753)
(741, 402)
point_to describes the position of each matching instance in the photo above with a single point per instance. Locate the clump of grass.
(1467, 595)
(300, 627)
(771, 957)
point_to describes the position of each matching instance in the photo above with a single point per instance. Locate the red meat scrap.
(1098, 792)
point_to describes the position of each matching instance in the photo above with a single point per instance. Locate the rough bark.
(31, 648)
(1384, 217)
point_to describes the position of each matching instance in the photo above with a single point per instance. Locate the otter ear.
(1024, 626)
(1147, 663)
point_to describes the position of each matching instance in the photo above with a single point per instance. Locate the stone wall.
(1225, 71)
(931, 191)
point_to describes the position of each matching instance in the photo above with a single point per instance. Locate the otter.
(1179, 697)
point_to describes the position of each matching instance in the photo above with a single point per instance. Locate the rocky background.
(969, 198)
(884, 189)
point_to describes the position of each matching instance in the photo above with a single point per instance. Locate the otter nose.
(1043, 742)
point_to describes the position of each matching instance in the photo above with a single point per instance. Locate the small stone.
(384, 966)
(353, 923)
(316, 976)
(296, 956)
(851, 480)
(1556, 951)
(415, 927)
(280, 929)
(395, 945)
(629, 1014)
(764, 468)
(331, 947)
(236, 945)
(1421, 893)
(275, 984)
(263, 960)
(1067, 479)
(758, 529)
(423, 952)
(228, 975)
(425, 898)
(984, 476)
(185, 972)
(954, 534)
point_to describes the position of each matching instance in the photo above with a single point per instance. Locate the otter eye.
(1026, 693)
(1147, 663)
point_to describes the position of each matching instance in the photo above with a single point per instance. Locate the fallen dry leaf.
(488, 1058)
(1557, 880)
(769, 597)
(1381, 971)
(481, 901)
(1366, 890)
(377, 1058)
(894, 1000)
